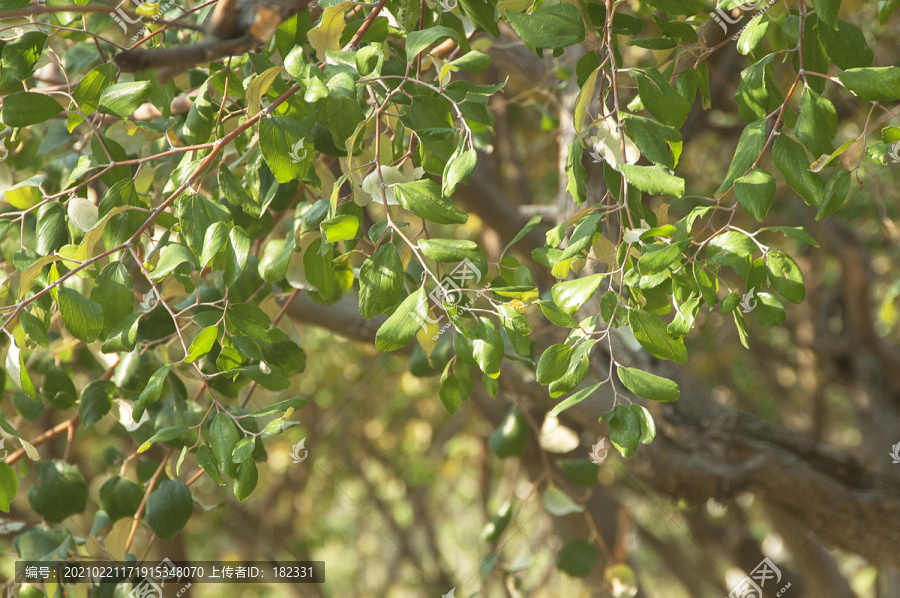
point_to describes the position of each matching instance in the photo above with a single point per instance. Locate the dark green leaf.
(875, 84)
(168, 508)
(836, 191)
(450, 250)
(653, 179)
(791, 161)
(120, 497)
(755, 192)
(817, 124)
(577, 558)
(114, 293)
(511, 437)
(554, 26)
(151, 392)
(96, 401)
(25, 108)
(60, 492)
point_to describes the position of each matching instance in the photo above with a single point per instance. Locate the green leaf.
(202, 344)
(168, 508)
(26, 108)
(458, 170)
(755, 192)
(658, 258)
(768, 310)
(87, 92)
(281, 140)
(581, 471)
(223, 437)
(729, 248)
(281, 406)
(791, 161)
(238, 252)
(554, 363)
(846, 45)
(574, 399)
(570, 295)
(122, 99)
(96, 401)
(213, 240)
(380, 282)
(624, 429)
(650, 331)
(120, 497)
(836, 191)
(785, 276)
(200, 120)
(511, 437)
(875, 84)
(529, 226)
(487, 348)
(752, 34)
(649, 386)
(794, 232)
(9, 485)
(749, 148)
(399, 329)
(757, 94)
(124, 336)
(555, 26)
(151, 392)
(172, 256)
(576, 172)
(577, 558)
(342, 227)
(423, 198)
(82, 317)
(416, 41)
(251, 321)
(114, 293)
(34, 328)
(60, 492)
(817, 124)
(243, 449)
(246, 479)
(653, 179)
(450, 250)
(660, 99)
(20, 56)
(207, 460)
(654, 139)
(827, 11)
